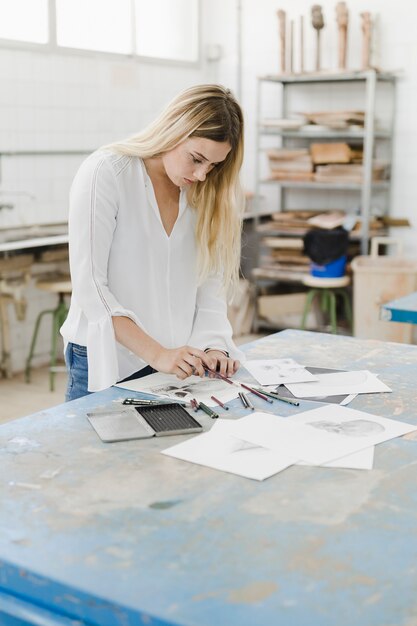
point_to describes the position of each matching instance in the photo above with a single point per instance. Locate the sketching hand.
(224, 365)
(183, 362)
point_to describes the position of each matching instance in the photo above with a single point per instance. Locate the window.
(167, 29)
(94, 25)
(161, 29)
(24, 20)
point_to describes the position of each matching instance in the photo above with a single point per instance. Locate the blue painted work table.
(119, 535)
(401, 310)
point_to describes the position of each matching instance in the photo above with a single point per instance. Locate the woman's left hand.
(225, 365)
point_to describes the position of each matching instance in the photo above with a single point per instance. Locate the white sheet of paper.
(277, 371)
(301, 441)
(298, 434)
(350, 424)
(220, 450)
(361, 381)
(348, 399)
(169, 386)
(364, 459)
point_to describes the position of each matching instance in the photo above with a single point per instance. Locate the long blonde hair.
(211, 112)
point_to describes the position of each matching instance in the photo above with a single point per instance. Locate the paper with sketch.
(361, 381)
(321, 435)
(220, 450)
(301, 441)
(345, 423)
(169, 386)
(277, 371)
(364, 459)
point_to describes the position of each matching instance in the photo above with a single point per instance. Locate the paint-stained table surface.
(118, 534)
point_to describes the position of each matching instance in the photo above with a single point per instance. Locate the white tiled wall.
(69, 103)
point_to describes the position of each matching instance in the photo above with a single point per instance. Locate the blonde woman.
(154, 230)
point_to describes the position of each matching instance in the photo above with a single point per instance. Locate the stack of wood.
(350, 173)
(323, 162)
(336, 120)
(286, 253)
(286, 164)
(283, 247)
(338, 162)
(298, 222)
(293, 222)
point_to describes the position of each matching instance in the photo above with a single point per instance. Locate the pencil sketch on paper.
(169, 386)
(277, 371)
(350, 428)
(187, 390)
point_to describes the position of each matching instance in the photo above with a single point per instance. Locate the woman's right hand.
(183, 362)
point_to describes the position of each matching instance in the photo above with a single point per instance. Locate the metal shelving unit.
(368, 137)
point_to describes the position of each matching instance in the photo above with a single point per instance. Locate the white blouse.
(123, 263)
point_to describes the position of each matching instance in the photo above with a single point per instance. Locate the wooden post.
(342, 18)
(366, 39)
(302, 44)
(281, 17)
(318, 23)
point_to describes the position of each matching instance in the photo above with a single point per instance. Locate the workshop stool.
(327, 289)
(60, 285)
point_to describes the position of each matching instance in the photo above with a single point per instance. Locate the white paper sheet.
(219, 450)
(364, 459)
(315, 436)
(280, 435)
(169, 386)
(355, 425)
(277, 371)
(361, 381)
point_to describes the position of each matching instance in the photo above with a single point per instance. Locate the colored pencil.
(256, 392)
(243, 399)
(220, 403)
(249, 403)
(208, 410)
(276, 396)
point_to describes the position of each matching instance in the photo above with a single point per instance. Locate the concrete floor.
(19, 398)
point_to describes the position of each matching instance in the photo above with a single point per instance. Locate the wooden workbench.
(118, 534)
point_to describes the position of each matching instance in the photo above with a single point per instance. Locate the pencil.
(285, 399)
(140, 402)
(208, 410)
(226, 380)
(276, 396)
(220, 403)
(249, 403)
(243, 399)
(257, 393)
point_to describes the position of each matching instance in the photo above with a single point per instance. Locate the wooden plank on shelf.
(324, 153)
(283, 243)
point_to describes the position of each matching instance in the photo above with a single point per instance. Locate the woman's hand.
(224, 365)
(183, 362)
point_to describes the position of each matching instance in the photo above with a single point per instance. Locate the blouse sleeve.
(94, 202)
(211, 328)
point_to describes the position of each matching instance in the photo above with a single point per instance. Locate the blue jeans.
(77, 367)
